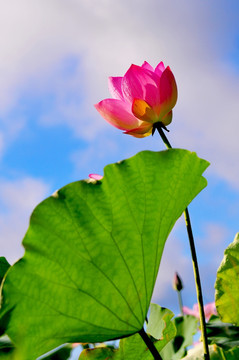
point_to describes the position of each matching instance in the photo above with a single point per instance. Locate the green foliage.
(8, 351)
(160, 321)
(7, 355)
(60, 354)
(170, 346)
(186, 327)
(161, 326)
(93, 251)
(232, 354)
(133, 347)
(100, 353)
(216, 353)
(223, 334)
(227, 286)
(4, 266)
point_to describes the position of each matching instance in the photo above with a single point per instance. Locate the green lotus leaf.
(223, 334)
(227, 286)
(186, 326)
(4, 266)
(101, 353)
(216, 353)
(93, 251)
(160, 323)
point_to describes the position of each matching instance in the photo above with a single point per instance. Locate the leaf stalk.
(150, 345)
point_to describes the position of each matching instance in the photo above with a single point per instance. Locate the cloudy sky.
(55, 58)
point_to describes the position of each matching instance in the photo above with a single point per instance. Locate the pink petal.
(189, 311)
(139, 83)
(196, 308)
(210, 310)
(117, 113)
(115, 87)
(95, 176)
(147, 66)
(168, 91)
(159, 69)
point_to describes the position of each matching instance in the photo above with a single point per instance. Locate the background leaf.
(8, 351)
(159, 319)
(93, 251)
(227, 285)
(132, 348)
(4, 266)
(223, 334)
(186, 326)
(101, 353)
(6, 348)
(60, 354)
(216, 353)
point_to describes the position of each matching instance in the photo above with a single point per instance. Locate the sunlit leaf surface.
(4, 266)
(93, 251)
(227, 284)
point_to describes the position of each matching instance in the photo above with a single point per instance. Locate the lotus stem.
(150, 345)
(180, 302)
(194, 262)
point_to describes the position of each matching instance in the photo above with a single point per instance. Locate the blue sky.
(55, 59)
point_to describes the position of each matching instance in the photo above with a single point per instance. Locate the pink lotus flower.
(209, 310)
(143, 97)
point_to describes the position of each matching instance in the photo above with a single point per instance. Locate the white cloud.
(17, 201)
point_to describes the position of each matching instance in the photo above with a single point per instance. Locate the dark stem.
(163, 136)
(198, 284)
(150, 345)
(194, 261)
